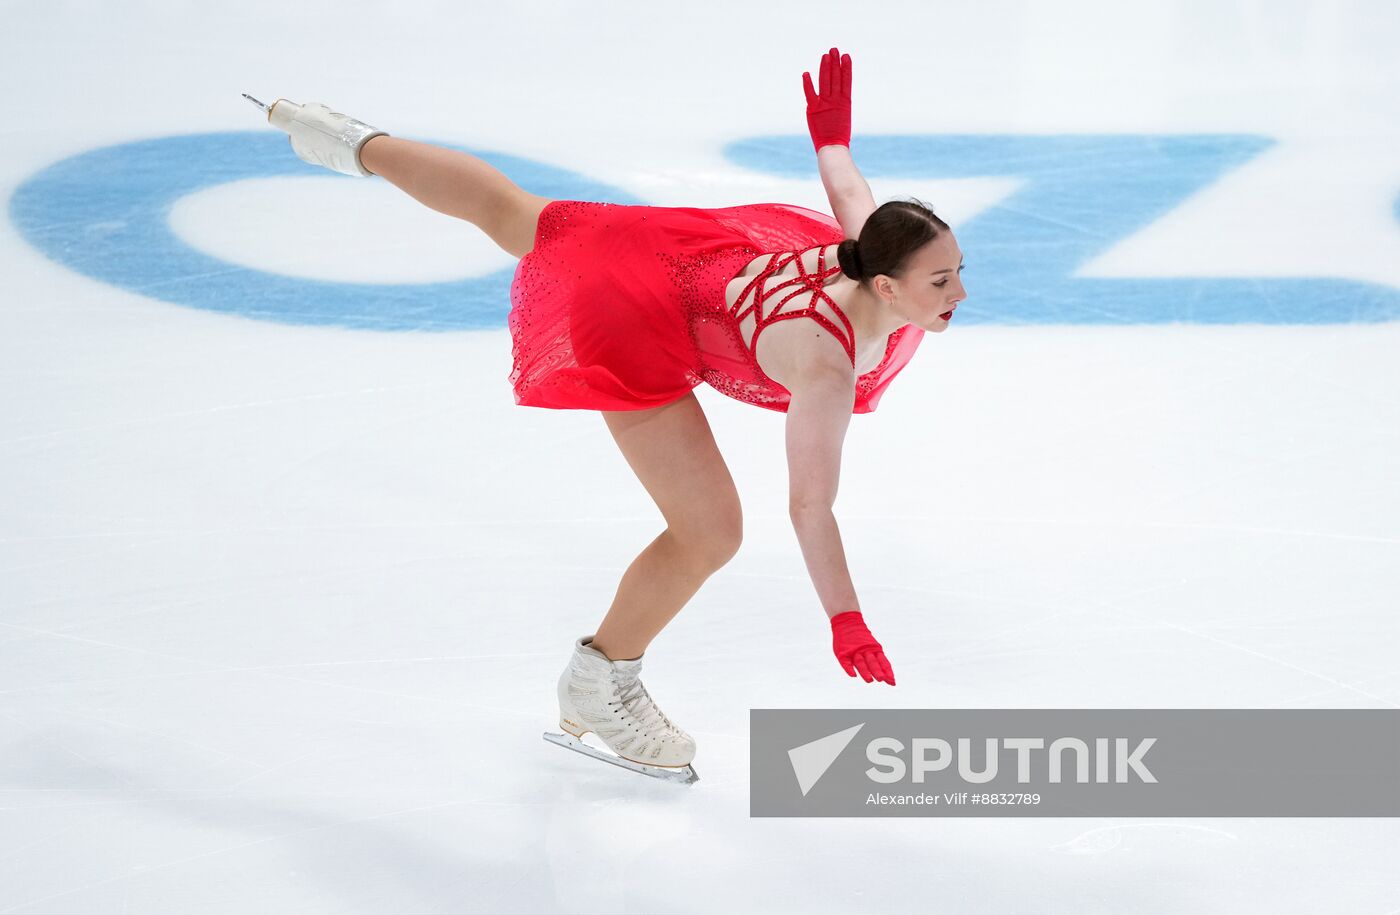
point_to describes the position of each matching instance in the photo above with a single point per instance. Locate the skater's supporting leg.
(658, 583)
(673, 453)
(461, 185)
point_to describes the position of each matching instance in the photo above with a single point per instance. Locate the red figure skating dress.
(623, 307)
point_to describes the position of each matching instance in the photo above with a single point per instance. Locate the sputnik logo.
(811, 760)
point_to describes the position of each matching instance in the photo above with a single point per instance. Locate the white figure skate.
(607, 697)
(321, 136)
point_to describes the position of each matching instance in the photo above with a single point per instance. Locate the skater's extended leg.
(458, 184)
(673, 453)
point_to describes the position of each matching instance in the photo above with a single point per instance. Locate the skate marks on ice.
(1107, 838)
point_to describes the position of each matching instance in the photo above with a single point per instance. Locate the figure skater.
(625, 309)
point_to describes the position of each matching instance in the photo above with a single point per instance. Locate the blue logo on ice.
(103, 213)
(1079, 195)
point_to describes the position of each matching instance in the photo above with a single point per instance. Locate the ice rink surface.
(286, 578)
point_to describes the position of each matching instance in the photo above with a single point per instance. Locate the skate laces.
(639, 703)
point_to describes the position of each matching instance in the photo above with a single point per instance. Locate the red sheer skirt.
(622, 307)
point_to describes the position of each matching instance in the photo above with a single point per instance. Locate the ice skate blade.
(684, 775)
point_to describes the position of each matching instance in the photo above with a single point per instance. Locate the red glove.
(857, 649)
(829, 114)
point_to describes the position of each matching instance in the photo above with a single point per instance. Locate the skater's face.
(931, 286)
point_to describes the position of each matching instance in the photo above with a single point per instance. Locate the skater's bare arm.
(820, 538)
(846, 189)
(840, 176)
(818, 416)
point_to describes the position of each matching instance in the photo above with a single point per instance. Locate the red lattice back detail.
(804, 282)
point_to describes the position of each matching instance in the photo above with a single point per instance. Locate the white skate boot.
(607, 697)
(321, 136)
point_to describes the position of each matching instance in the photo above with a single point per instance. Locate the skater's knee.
(710, 544)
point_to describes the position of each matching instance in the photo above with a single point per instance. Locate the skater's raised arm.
(829, 122)
(849, 195)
